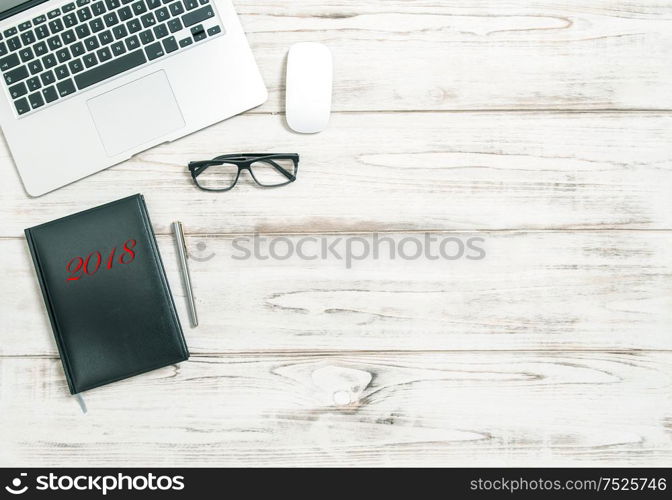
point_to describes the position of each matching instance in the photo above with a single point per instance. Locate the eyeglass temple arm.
(196, 167)
(282, 170)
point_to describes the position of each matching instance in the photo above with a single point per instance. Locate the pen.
(182, 257)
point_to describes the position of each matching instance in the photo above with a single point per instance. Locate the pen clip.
(183, 241)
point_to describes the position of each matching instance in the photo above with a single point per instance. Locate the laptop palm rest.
(135, 113)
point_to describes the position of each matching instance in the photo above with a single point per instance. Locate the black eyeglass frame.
(244, 161)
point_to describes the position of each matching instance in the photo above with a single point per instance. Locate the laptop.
(87, 84)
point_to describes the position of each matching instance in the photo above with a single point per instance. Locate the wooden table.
(542, 127)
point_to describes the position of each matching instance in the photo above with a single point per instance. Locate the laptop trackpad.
(136, 113)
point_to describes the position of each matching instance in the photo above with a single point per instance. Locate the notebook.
(106, 294)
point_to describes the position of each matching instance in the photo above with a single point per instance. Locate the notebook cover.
(106, 293)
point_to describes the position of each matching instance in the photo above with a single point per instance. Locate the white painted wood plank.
(429, 55)
(604, 290)
(373, 172)
(477, 409)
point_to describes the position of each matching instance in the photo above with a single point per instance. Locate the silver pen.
(182, 257)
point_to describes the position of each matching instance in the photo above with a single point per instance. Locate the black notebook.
(106, 293)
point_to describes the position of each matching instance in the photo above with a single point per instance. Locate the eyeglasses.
(267, 170)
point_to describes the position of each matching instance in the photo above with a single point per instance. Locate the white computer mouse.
(309, 83)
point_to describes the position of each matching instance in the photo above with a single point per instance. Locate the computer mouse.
(309, 84)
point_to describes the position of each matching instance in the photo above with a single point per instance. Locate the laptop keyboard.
(85, 42)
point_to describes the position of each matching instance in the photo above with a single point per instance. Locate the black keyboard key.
(25, 25)
(174, 25)
(198, 32)
(91, 43)
(68, 37)
(112, 4)
(119, 32)
(134, 25)
(33, 83)
(36, 100)
(10, 32)
(190, 4)
(170, 44)
(70, 20)
(118, 48)
(14, 43)
(26, 54)
(84, 14)
(90, 60)
(154, 51)
(146, 37)
(98, 8)
(56, 26)
(160, 31)
(125, 13)
(28, 37)
(162, 15)
(63, 55)
(77, 49)
(66, 87)
(214, 30)
(111, 19)
(96, 25)
(16, 75)
(148, 20)
(132, 42)
(49, 61)
(112, 68)
(104, 54)
(139, 8)
(82, 31)
(42, 32)
(55, 43)
(40, 49)
(105, 37)
(82, 3)
(186, 42)
(153, 4)
(35, 67)
(62, 72)
(22, 106)
(176, 8)
(76, 66)
(18, 90)
(50, 94)
(8, 62)
(198, 16)
(3, 49)
(203, 2)
(69, 7)
(39, 20)
(54, 13)
(48, 77)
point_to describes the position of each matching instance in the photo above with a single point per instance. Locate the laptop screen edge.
(12, 11)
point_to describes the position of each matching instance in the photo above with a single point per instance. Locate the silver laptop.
(87, 84)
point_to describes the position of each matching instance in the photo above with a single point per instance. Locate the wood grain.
(532, 291)
(440, 55)
(464, 409)
(385, 172)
